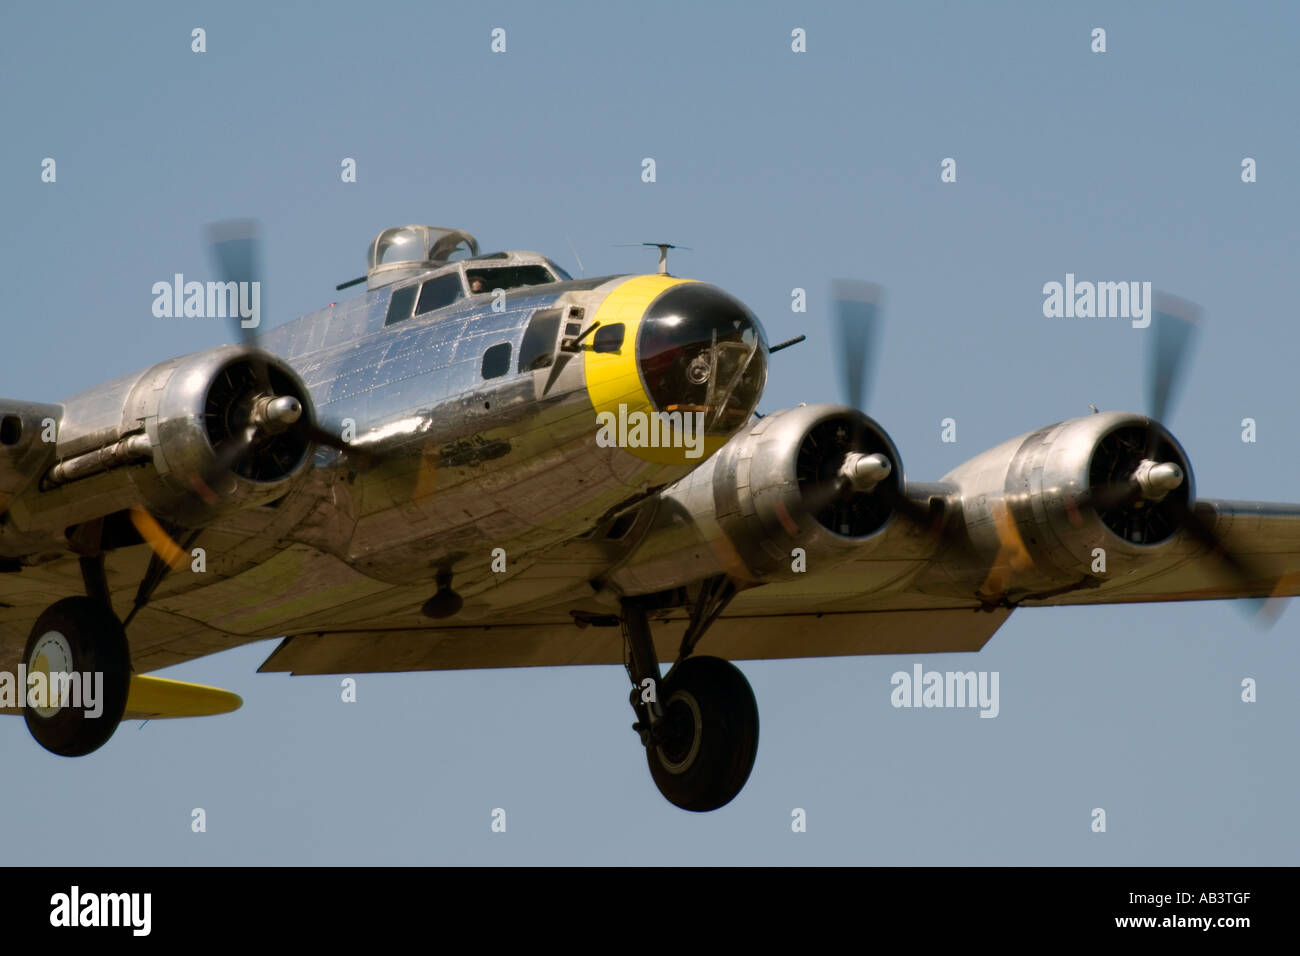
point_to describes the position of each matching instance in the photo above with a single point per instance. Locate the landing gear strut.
(699, 724)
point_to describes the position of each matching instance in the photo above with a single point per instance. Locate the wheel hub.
(52, 654)
(681, 741)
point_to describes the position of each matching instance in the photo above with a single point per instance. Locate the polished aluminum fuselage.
(473, 476)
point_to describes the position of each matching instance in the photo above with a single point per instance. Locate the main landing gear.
(79, 648)
(699, 724)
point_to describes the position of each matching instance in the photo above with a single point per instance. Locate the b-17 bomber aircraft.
(482, 462)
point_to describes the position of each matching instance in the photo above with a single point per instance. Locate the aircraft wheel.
(77, 636)
(706, 744)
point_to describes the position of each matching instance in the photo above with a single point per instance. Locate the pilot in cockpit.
(477, 285)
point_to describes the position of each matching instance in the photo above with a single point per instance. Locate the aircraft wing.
(823, 614)
(897, 598)
(1265, 537)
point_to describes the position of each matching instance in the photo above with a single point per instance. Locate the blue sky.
(780, 170)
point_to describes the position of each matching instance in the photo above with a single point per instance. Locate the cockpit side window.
(399, 306)
(439, 292)
(506, 277)
(538, 348)
(496, 360)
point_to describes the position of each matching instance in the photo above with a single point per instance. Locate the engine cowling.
(1115, 481)
(816, 477)
(189, 439)
(193, 409)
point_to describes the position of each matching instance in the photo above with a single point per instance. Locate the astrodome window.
(420, 244)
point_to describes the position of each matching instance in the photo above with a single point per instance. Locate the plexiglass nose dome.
(702, 350)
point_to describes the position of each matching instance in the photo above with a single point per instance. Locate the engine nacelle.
(189, 423)
(203, 406)
(1035, 495)
(816, 477)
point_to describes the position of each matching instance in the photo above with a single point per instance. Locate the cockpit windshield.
(506, 277)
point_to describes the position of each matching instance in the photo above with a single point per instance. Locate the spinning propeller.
(261, 411)
(1138, 486)
(1145, 478)
(1147, 489)
(848, 474)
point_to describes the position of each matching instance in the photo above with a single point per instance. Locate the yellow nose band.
(614, 378)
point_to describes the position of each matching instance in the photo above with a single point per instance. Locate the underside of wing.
(834, 613)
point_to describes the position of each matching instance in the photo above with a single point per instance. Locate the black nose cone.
(702, 350)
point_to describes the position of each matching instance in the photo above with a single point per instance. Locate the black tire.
(711, 734)
(93, 642)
